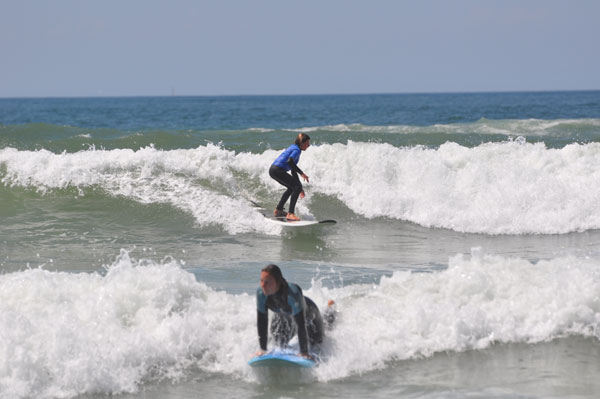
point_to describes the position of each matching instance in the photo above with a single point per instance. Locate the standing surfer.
(288, 161)
(294, 313)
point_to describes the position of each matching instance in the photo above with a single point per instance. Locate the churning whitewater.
(66, 334)
(510, 187)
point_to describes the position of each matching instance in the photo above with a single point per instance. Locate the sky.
(80, 48)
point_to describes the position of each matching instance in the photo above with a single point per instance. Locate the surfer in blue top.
(287, 302)
(288, 161)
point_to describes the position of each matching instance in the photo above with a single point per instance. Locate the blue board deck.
(281, 358)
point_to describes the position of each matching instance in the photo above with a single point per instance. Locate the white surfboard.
(282, 221)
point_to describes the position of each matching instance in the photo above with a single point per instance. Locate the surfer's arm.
(295, 171)
(262, 322)
(302, 334)
(295, 168)
(297, 181)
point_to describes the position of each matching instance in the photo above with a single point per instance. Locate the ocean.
(465, 261)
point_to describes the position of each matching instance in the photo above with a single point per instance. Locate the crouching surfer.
(288, 161)
(294, 313)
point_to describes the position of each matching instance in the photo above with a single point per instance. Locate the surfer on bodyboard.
(288, 161)
(294, 313)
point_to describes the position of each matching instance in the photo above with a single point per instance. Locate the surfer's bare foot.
(292, 217)
(329, 314)
(279, 213)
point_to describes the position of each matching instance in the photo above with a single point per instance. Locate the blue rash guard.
(289, 301)
(283, 159)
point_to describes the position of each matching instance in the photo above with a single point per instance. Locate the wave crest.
(512, 187)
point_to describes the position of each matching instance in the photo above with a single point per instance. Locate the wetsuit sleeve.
(261, 301)
(262, 322)
(298, 306)
(262, 319)
(295, 299)
(294, 167)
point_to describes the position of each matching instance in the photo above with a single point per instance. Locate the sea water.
(465, 261)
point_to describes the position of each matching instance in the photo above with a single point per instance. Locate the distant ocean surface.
(465, 261)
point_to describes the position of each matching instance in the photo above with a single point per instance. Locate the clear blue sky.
(147, 47)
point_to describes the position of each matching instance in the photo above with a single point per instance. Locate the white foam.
(198, 181)
(478, 301)
(507, 127)
(67, 334)
(511, 187)
(496, 188)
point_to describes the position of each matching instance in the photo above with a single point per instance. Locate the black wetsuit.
(288, 303)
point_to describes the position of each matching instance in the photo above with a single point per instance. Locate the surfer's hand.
(302, 194)
(305, 177)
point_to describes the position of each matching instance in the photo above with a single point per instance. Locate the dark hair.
(275, 272)
(302, 138)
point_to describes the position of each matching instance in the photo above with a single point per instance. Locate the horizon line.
(295, 95)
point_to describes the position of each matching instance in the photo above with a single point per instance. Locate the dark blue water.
(289, 112)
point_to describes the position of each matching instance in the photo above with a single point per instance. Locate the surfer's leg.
(314, 323)
(280, 176)
(283, 200)
(295, 193)
(296, 190)
(283, 329)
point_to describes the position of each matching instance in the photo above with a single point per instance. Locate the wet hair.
(302, 138)
(275, 272)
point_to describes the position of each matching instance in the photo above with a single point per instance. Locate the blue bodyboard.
(281, 358)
